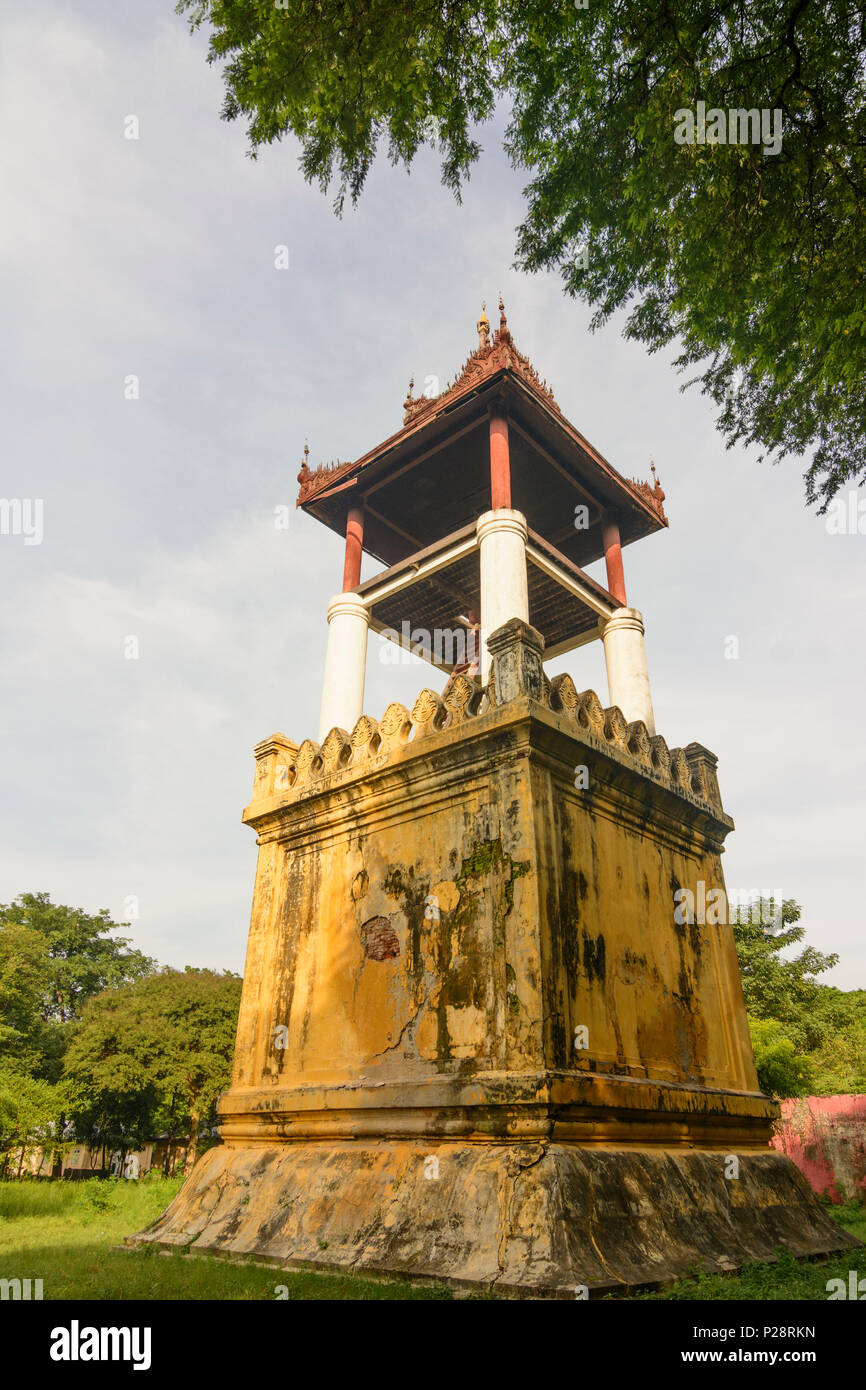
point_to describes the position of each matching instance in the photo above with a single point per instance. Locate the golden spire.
(483, 326)
(503, 322)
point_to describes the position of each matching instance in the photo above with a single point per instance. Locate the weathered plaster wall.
(437, 909)
(434, 917)
(826, 1138)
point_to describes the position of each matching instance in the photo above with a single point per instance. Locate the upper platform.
(432, 477)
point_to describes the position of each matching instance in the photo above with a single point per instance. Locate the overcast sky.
(155, 258)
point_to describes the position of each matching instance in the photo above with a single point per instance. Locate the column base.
(523, 1220)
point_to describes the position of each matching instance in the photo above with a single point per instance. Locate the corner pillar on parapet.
(516, 652)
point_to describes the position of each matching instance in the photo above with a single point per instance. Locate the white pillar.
(502, 540)
(625, 659)
(345, 664)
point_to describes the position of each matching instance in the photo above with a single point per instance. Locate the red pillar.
(500, 466)
(613, 560)
(354, 547)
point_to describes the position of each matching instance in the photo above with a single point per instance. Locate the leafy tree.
(782, 1071)
(154, 1054)
(24, 974)
(808, 1037)
(52, 960)
(839, 1061)
(754, 262)
(30, 1114)
(785, 990)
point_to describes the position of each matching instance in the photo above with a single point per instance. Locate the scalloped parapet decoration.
(429, 713)
(284, 770)
(309, 763)
(463, 699)
(336, 751)
(395, 727)
(365, 739)
(616, 727)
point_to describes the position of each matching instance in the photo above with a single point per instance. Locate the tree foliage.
(753, 262)
(784, 987)
(153, 1056)
(52, 960)
(809, 1038)
(782, 1070)
(30, 1113)
(839, 1060)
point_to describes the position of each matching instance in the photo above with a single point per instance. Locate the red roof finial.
(503, 322)
(305, 466)
(656, 484)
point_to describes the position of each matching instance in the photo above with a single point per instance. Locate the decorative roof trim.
(488, 357)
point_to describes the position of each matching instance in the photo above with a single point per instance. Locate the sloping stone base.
(532, 1220)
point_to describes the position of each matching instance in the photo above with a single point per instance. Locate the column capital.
(348, 605)
(502, 519)
(622, 619)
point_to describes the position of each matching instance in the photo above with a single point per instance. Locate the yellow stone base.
(541, 1220)
(476, 1041)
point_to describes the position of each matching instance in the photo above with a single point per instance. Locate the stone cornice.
(289, 777)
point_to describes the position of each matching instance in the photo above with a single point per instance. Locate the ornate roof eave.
(490, 358)
(482, 364)
(487, 359)
(316, 480)
(313, 480)
(651, 493)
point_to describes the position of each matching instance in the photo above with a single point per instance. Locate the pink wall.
(826, 1138)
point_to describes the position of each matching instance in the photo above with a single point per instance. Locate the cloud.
(156, 257)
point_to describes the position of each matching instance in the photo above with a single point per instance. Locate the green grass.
(803, 1280)
(63, 1233)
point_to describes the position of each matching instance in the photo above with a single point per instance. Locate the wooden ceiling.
(433, 478)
